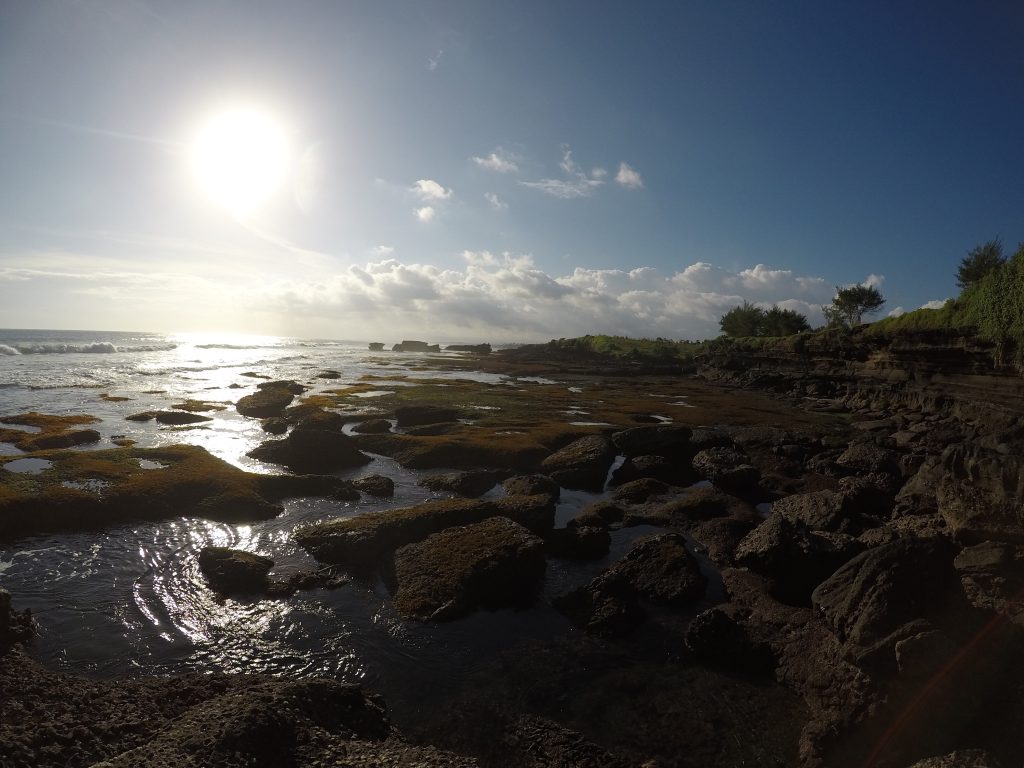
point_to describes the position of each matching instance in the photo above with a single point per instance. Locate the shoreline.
(849, 499)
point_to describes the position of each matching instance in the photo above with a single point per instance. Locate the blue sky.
(502, 171)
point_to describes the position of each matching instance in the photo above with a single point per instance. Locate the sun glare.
(240, 158)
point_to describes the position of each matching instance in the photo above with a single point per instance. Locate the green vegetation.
(851, 304)
(621, 347)
(750, 320)
(979, 262)
(991, 305)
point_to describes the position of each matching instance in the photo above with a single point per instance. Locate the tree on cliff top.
(750, 320)
(979, 262)
(851, 304)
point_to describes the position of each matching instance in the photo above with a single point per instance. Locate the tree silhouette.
(979, 261)
(851, 304)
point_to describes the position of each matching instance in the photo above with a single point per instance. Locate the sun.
(239, 158)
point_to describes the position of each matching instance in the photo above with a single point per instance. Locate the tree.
(851, 304)
(979, 262)
(750, 320)
(783, 322)
(744, 320)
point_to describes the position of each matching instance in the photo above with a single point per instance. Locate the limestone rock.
(493, 564)
(582, 464)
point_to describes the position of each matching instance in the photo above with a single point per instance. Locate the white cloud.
(578, 185)
(566, 190)
(897, 311)
(428, 189)
(598, 173)
(495, 202)
(435, 60)
(499, 160)
(383, 250)
(426, 213)
(505, 297)
(934, 304)
(873, 281)
(628, 177)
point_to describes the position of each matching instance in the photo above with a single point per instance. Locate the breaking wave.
(93, 348)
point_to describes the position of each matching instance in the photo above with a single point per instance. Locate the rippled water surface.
(131, 600)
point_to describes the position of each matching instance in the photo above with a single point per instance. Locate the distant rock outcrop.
(478, 349)
(415, 346)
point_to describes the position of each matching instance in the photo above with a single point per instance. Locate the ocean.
(130, 600)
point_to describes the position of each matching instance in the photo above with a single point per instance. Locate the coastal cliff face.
(937, 373)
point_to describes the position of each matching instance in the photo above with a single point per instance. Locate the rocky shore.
(830, 570)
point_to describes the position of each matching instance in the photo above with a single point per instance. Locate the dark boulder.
(662, 570)
(372, 427)
(640, 491)
(728, 469)
(531, 485)
(15, 626)
(471, 483)
(598, 514)
(668, 440)
(889, 593)
(275, 425)
(796, 557)
(979, 494)
(417, 415)
(820, 511)
(375, 485)
(231, 571)
(493, 564)
(180, 417)
(671, 471)
(311, 450)
(582, 464)
(54, 440)
(269, 399)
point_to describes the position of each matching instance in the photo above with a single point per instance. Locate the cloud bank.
(507, 298)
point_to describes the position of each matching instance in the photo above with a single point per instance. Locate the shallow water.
(130, 600)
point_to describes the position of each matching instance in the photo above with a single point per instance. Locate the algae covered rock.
(363, 542)
(493, 564)
(582, 464)
(311, 449)
(416, 415)
(234, 570)
(471, 483)
(269, 399)
(666, 440)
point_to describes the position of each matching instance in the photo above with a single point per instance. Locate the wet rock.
(324, 578)
(606, 607)
(69, 439)
(671, 471)
(531, 485)
(270, 399)
(578, 542)
(432, 430)
(417, 415)
(582, 464)
(231, 571)
(702, 438)
(701, 503)
(884, 594)
(794, 556)
(661, 569)
(363, 542)
(729, 469)
(992, 575)
(179, 417)
(275, 425)
(308, 449)
(639, 491)
(920, 654)
(328, 375)
(372, 427)
(141, 416)
(493, 564)
(375, 485)
(667, 440)
(471, 483)
(599, 514)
